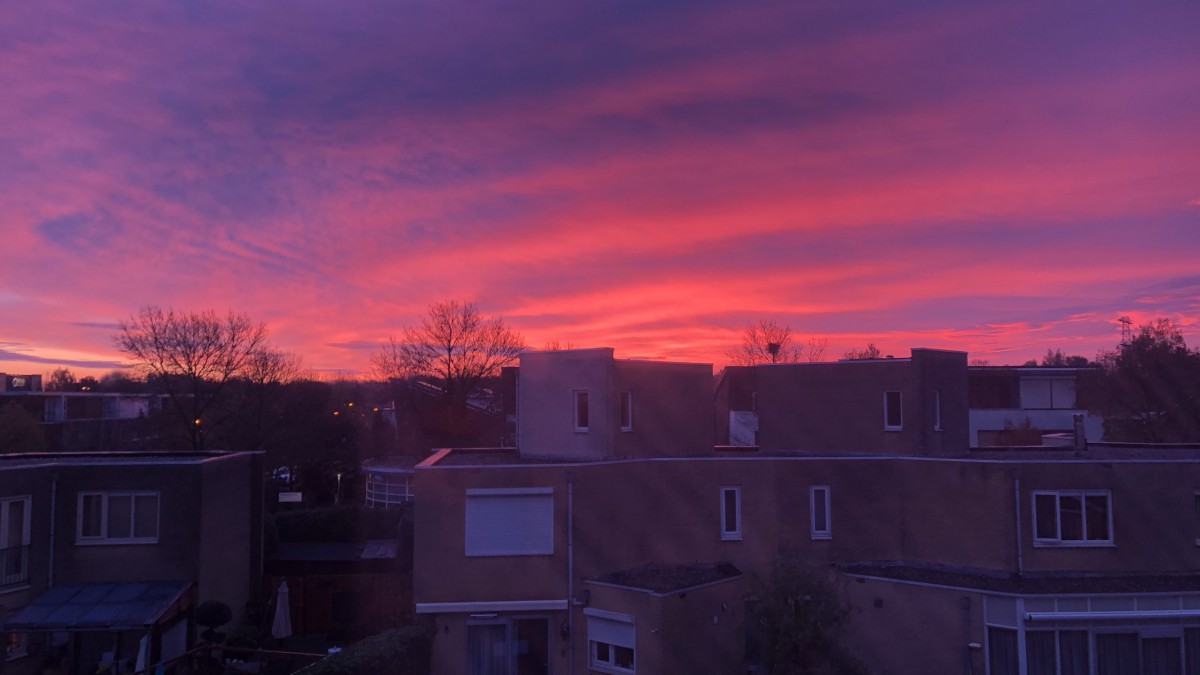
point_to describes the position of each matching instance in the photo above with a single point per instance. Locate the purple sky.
(1001, 179)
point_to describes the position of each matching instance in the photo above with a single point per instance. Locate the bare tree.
(868, 352)
(816, 349)
(191, 357)
(457, 349)
(766, 342)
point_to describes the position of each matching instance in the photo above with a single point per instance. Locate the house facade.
(951, 560)
(106, 554)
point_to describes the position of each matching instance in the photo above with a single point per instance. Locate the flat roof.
(140, 457)
(670, 578)
(1096, 452)
(1031, 583)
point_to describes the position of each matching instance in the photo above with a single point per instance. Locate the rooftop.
(1031, 583)
(31, 460)
(663, 579)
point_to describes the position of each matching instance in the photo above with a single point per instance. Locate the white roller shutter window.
(510, 522)
(616, 633)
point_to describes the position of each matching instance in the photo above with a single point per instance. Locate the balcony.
(14, 565)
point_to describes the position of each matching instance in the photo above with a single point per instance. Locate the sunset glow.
(647, 176)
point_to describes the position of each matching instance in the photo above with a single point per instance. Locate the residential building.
(1018, 406)
(952, 559)
(106, 554)
(903, 406)
(88, 421)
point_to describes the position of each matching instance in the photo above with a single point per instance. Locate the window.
(581, 411)
(818, 502)
(14, 540)
(117, 518)
(510, 521)
(731, 513)
(611, 645)
(502, 646)
(627, 411)
(1196, 515)
(893, 416)
(937, 410)
(16, 646)
(1072, 518)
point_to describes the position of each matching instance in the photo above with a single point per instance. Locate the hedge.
(401, 651)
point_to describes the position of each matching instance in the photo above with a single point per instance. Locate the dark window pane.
(581, 409)
(1161, 656)
(1073, 652)
(90, 519)
(820, 515)
(602, 654)
(487, 652)
(145, 516)
(1002, 651)
(1070, 509)
(120, 512)
(731, 506)
(1191, 648)
(623, 657)
(1097, 517)
(894, 416)
(1039, 652)
(1116, 653)
(16, 523)
(1196, 518)
(626, 410)
(1047, 516)
(533, 646)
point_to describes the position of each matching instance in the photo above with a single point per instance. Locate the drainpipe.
(1017, 510)
(570, 576)
(53, 522)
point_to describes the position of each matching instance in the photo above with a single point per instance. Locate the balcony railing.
(14, 565)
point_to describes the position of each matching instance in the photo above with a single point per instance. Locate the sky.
(1000, 178)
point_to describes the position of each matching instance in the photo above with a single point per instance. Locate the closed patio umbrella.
(281, 627)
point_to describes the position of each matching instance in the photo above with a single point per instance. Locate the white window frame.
(627, 410)
(1195, 514)
(1058, 541)
(587, 410)
(4, 507)
(735, 534)
(937, 409)
(22, 577)
(610, 665)
(103, 538)
(824, 492)
(900, 399)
